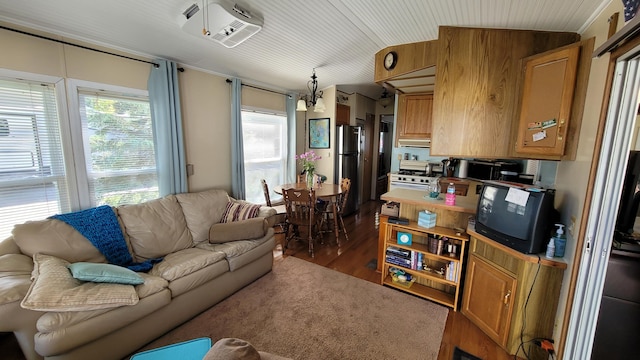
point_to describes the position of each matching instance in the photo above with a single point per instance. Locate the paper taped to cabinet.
(540, 135)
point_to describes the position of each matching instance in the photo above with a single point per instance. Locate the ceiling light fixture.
(386, 99)
(314, 98)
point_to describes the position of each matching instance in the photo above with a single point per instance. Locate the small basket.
(406, 284)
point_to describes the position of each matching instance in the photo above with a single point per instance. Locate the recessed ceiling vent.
(219, 21)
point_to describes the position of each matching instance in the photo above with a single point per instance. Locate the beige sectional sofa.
(57, 316)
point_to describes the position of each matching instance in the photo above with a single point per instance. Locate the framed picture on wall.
(319, 133)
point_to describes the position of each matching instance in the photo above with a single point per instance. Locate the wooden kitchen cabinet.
(491, 307)
(547, 100)
(343, 114)
(507, 293)
(476, 98)
(414, 116)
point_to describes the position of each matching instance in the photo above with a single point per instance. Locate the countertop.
(465, 204)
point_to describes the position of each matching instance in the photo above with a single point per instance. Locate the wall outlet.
(399, 157)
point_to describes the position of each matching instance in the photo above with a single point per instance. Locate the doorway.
(601, 219)
(385, 148)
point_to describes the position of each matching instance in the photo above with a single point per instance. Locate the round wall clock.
(390, 60)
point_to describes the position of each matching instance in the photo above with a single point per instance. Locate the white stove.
(415, 174)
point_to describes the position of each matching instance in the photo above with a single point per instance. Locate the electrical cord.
(524, 317)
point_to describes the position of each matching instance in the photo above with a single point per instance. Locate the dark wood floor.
(357, 257)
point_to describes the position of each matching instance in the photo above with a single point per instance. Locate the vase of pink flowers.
(308, 162)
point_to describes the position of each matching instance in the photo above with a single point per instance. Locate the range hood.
(420, 143)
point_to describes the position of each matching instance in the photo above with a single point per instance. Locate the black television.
(630, 197)
(516, 215)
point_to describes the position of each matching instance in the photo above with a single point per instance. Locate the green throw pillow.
(104, 273)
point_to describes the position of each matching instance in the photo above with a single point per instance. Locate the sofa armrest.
(9, 246)
(15, 277)
(269, 214)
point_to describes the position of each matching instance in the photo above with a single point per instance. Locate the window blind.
(265, 153)
(118, 147)
(33, 181)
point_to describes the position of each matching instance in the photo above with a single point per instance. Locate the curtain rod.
(263, 89)
(82, 46)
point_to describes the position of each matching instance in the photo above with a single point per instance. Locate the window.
(41, 151)
(118, 148)
(33, 180)
(265, 152)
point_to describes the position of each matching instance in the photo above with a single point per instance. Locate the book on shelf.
(398, 261)
(398, 251)
(452, 271)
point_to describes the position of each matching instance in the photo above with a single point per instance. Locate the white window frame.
(79, 143)
(284, 146)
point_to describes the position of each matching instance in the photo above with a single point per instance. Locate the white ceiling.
(337, 37)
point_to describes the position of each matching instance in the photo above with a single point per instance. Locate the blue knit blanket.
(100, 226)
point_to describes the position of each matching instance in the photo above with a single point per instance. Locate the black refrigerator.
(348, 142)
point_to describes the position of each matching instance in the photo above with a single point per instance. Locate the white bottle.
(551, 249)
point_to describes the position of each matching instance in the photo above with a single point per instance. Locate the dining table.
(324, 191)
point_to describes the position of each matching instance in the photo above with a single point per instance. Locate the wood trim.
(534, 259)
(580, 239)
(628, 33)
(411, 57)
(613, 24)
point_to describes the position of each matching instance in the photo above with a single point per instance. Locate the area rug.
(305, 311)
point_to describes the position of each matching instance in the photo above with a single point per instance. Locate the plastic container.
(450, 197)
(551, 249)
(560, 241)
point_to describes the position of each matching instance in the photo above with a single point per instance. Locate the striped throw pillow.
(239, 211)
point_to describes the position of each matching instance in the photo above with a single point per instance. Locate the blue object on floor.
(194, 349)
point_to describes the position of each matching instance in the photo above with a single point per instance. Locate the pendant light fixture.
(314, 98)
(386, 99)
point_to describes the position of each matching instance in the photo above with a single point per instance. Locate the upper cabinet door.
(414, 116)
(547, 99)
(343, 114)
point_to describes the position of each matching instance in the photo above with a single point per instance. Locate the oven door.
(404, 185)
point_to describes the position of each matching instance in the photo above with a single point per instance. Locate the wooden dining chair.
(301, 214)
(281, 210)
(340, 202)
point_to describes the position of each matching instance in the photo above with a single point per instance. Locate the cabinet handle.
(560, 129)
(506, 298)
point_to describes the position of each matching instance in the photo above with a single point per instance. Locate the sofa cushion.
(155, 228)
(201, 210)
(73, 334)
(238, 230)
(237, 210)
(52, 321)
(242, 252)
(105, 273)
(185, 262)
(56, 238)
(54, 289)
(152, 284)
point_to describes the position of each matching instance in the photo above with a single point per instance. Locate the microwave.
(490, 169)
